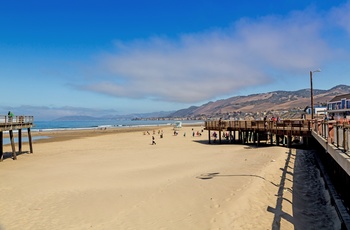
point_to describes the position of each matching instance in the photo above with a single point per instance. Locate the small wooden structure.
(256, 130)
(8, 123)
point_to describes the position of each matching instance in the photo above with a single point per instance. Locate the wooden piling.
(30, 141)
(14, 156)
(1, 146)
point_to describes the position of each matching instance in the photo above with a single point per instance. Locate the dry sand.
(113, 179)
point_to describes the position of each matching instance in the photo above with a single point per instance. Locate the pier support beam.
(20, 140)
(208, 134)
(13, 145)
(289, 141)
(271, 138)
(257, 139)
(1, 146)
(31, 143)
(277, 140)
(305, 141)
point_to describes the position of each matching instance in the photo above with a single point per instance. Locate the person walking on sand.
(153, 141)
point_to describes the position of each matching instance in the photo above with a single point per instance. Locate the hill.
(271, 101)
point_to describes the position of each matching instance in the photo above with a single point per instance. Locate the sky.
(97, 58)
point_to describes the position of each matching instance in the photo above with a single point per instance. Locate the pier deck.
(258, 129)
(9, 124)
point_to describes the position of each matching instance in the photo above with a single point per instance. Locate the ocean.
(42, 126)
(64, 125)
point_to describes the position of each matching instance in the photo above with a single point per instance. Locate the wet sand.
(116, 179)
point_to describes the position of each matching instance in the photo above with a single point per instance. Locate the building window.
(338, 105)
(343, 105)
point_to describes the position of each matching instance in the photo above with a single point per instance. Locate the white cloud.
(341, 16)
(198, 67)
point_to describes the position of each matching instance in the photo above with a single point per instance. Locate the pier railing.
(16, 119)
(15, 122)
(335, 132)
(291, 126)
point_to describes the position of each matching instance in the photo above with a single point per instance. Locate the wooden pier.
(258, 130)
(331, 139)
(9, 124)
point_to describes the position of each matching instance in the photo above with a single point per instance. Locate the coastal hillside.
(277, 100)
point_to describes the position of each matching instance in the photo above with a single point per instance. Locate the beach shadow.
(207, 176)
(286, 170)
(224, 142)
(277, 210)
(8, 155)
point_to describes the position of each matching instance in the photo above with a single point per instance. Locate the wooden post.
(1, 146)
(13, 145)
(305, 142)
(220, 135)
(31, 144)
(344, 138)
(208, 135)
(277, 140)
(337, 132)
(271, 138)
(289, 141)
(257, 139)
(20, 140)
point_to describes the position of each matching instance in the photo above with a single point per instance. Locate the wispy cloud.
(340, 16)
(199, 67)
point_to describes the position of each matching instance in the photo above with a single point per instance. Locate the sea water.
(43, 126)
(62, 125)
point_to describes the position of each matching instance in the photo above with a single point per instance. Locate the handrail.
(4, 119)
(336, 133)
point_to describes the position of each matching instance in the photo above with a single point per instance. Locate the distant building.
(339, 107)
(318, 111)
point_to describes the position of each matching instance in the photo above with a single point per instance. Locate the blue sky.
(62, 58)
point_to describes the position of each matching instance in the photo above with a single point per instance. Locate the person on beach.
(153, 141)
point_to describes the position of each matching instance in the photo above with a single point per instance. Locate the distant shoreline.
(53, 135)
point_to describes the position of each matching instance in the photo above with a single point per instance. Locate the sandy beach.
(116, 179)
